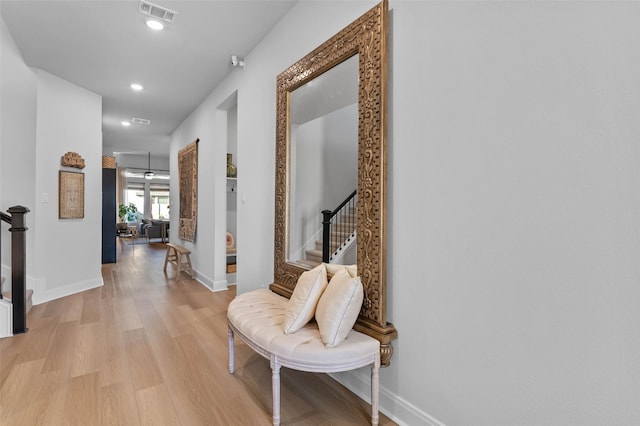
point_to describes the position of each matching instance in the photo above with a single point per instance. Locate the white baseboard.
(221, 285)
(42, 295)
(396, 408)
(30, 282)
(6, 320)
(209, 283)
(5, 272)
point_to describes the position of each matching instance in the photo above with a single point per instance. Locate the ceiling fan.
(146, 174)
(149, 174)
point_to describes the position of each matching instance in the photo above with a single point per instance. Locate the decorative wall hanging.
(72, 159)
(108, 162)
(71, 195)
(188, 178)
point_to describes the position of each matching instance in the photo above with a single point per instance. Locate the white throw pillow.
(332, 268)
(339, 307)
(302, 305)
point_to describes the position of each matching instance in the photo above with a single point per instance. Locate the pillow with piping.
(338, 308)
(302, 305)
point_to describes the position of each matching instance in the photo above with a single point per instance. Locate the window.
(135, 195)
(159, 201)
(155, 196)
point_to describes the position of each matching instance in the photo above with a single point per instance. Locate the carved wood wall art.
(367, 37)
(188, 183)
(72, 159)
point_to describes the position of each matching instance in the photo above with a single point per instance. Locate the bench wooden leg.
(166, 259)
(178, 263)
(190, 267)
(275, 389)
(231, 355)
(375, 390)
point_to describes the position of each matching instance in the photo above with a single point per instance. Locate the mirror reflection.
(323, 168)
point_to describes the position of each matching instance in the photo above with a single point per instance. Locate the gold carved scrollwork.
(367, 37)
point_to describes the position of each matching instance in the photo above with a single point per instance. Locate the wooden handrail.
(5, 217)
(327, 223)
(344, 203)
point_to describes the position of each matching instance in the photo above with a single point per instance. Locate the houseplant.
(128, 213)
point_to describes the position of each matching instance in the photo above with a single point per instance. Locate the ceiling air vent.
(162, 13)
(142, 121)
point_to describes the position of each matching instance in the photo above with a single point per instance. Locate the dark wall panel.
(108, 216)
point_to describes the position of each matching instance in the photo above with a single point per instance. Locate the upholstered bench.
(259, 318)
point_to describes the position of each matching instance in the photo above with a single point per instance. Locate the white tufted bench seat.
(257, 318)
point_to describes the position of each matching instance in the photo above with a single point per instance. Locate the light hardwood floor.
(147, 349)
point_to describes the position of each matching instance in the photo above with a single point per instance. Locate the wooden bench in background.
(179, 256)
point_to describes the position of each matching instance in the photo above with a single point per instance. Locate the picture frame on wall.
(70, 195)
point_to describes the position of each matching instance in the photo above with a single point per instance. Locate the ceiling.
(104, 46)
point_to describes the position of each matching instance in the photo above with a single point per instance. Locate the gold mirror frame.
(367, 37)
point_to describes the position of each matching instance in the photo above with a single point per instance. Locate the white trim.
(310, 244)
(30, 282)
(43, 295)
(396, 408)
(339, 255)
(5, 272)
(221, 285)
(6, 319)
(209, 283)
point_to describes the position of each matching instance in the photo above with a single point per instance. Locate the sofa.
(150, 228)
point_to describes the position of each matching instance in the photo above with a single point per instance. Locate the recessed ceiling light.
(155, 25)
(126, 123)
(137, 87)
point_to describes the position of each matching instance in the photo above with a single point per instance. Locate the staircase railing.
(338, 226)
(15, 218)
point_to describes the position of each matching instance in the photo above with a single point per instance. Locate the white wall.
(306, 186)
(209, 125)
(341, 156)
(43, 117)
(17, 140)
(232, 148)
(67, 251)
(513, 203)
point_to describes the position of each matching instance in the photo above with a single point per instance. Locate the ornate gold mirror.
(365, 38)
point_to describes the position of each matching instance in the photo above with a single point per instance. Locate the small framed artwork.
(71, 195)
